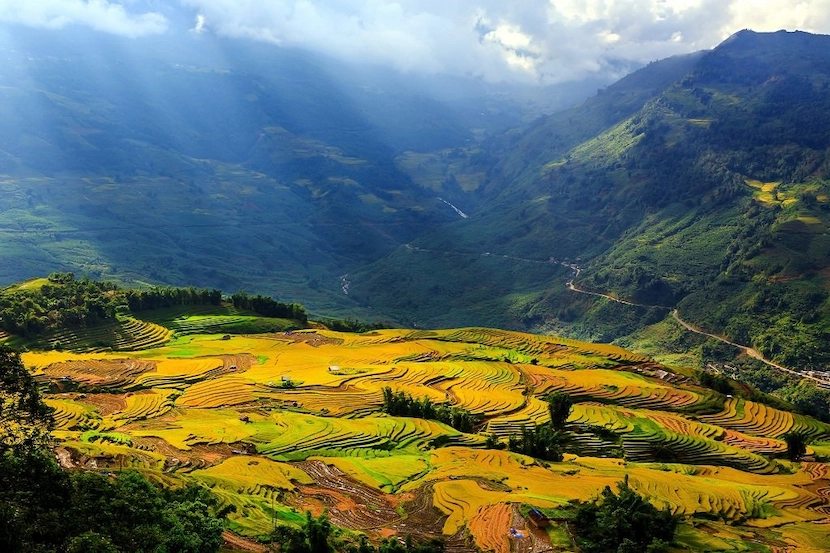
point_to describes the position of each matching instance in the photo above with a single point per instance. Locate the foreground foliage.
(623, 522)
(43, 508)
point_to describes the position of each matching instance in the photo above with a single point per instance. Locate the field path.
(573, 288)
(242, 544)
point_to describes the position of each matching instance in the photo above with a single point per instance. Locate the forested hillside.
(185, 160)
(704, 188)
(65, 312)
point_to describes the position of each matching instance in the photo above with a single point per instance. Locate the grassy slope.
(460, 284)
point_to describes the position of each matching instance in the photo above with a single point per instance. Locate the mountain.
(698, 183)
(193, 159)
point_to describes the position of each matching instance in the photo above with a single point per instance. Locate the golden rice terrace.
(278, 424)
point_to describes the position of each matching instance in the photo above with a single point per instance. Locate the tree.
(796, 445)
(34, 491)
(559, 407)
(31, 483)
(25, 421)
(314, 537)
(624, 522)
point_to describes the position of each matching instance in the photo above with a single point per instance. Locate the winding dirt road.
(751, 352)
(754, 353)
(573, 288)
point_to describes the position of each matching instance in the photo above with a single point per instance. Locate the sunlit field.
(277, 424)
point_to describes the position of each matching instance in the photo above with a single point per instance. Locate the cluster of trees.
(542, 442)
(62, 302)
(269, 307)
(44, 508)
(352, 325)
(319, 536)
(623, 522)
(402, 404)
(546, 441)
(168, 296)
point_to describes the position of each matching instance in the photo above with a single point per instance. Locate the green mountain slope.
(234, 165)
(194, 159)
(711, 196)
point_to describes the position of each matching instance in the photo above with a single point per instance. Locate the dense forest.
(63, 301)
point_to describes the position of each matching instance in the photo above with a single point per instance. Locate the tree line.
(352, 325)
(159, 297)
(269, 307)
(67, 302)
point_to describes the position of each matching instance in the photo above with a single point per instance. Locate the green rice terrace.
(279, 420)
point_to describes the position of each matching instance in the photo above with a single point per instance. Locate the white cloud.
(532, 40)
(199, 26)
(100, 15)
(771, 15)
(547, 40)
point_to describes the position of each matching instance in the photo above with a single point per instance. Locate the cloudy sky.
(530, 40)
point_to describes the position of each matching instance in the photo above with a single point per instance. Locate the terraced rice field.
(279, 423)
(214, 319)
(124, 334)
(490, 527)
(757, 419)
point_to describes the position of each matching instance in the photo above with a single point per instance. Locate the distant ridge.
(699, 182)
